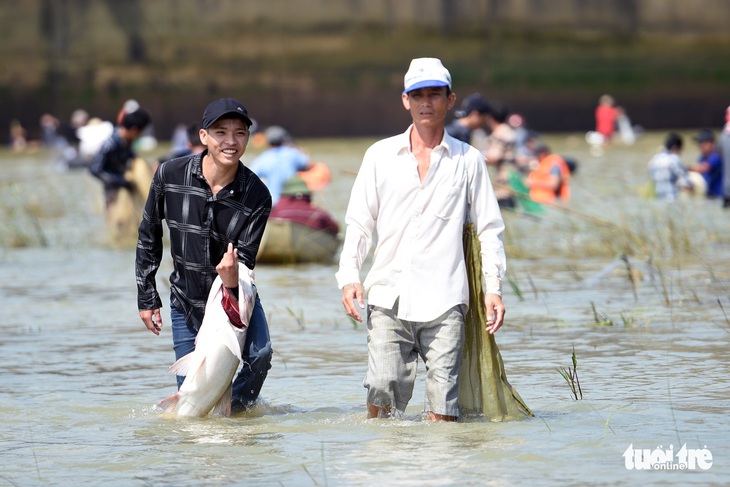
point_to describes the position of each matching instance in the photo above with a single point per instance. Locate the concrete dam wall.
(335, 67)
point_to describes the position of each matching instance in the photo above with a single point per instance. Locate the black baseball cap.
(222, 107)
(705, 135)
(473, 102)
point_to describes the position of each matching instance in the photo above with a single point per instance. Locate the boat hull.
(286, 242)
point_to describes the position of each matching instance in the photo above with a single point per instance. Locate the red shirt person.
(296, 205)
(606, 116)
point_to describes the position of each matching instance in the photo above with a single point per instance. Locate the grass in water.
(515, 287)
(297, 316)
(600, 318)
(631, 320)
(727, 320)
(571, 377)
(631, 275)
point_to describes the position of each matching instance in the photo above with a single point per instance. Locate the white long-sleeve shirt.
(419, 254)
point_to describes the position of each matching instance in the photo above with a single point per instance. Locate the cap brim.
(235, 113)
(425, 84)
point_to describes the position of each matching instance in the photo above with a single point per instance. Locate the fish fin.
(169, 404)
(224, 404)
(246, 293)
(182, 366)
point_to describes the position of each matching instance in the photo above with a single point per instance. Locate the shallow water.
(79, 374)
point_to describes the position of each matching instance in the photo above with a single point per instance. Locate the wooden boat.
(287, 242)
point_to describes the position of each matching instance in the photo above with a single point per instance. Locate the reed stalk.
(632, 278)
(600, 318)
(570, 375)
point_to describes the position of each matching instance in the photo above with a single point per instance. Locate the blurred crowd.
(109, 151)
(524, 170)
(523, 167)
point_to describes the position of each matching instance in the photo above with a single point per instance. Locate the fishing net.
(522, 194)
(483, 386)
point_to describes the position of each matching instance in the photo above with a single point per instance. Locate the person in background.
(666, 169)
(147, 139)
(709, 163)
(92, 136)
(179, 139)
(550, 180)
(519, 125)
(78, 119)
(469, 118)
(192, 146)
(216, 211)
(295, 204)
(129, 106)
(606, 116)
(116, 155)
(526, 157)
(501, 152)
(279, 162)
(624, 127)
(413, 195)
(50, 127)
(18, 136)
(724, 149)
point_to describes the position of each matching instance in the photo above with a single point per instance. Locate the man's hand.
(495, 312)
(228, 268)
(152, 319)
(350, 293)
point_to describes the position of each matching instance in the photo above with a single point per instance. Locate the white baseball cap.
(426, 72)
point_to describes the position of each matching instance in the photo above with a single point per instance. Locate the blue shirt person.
(709, 163)
(280, 162)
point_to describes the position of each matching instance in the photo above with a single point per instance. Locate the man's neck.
(425, 137)
(218, 177)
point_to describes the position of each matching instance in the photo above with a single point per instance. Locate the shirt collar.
(405, 142)
(197, 168)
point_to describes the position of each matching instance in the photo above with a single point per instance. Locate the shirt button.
(231, 191)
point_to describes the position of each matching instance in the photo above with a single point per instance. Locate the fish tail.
(169, 404)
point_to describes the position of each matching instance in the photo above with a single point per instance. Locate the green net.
(522, 194)
(483, 386)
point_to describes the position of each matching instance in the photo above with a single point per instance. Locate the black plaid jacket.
(201, 225)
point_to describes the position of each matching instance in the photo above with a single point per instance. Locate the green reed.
(298, 316)
(20, 225)
(600, 318)
(570, 375)
(515, 287)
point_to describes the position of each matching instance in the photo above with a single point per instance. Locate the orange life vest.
(542, 174)
(317, 176)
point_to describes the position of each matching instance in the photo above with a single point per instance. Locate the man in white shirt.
(414, 192)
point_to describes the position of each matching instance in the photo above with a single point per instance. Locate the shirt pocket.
(446, 203)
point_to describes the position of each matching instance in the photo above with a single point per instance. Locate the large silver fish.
(210, 368)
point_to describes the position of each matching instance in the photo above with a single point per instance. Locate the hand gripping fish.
(210, 368)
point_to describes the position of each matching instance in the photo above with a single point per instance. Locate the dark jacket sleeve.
(105, 167)
(149, 246)
(249, 239)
